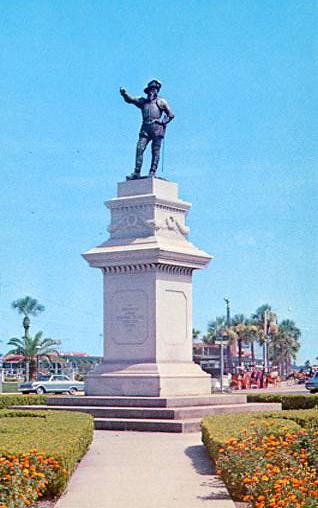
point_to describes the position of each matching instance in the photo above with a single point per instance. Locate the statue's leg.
(141, 146)
(155, 149)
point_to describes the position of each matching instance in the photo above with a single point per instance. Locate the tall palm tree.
(27, 306)
(220, 328)
(31, 348)
(245, 331)
(238, 327)
(254, 335)
(266, 320)
(285, 344)
(216, 329)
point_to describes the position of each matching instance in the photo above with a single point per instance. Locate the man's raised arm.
(128, 98)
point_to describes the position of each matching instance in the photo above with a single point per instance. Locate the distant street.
(284, 386)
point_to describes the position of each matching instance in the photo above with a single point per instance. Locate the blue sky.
(241, 78)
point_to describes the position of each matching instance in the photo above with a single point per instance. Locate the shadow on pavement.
(204, 467)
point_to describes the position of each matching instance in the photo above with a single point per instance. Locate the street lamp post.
(228, 322)
(265, 345)
(222, 365)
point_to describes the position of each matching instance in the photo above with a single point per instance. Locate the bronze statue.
(156, 114)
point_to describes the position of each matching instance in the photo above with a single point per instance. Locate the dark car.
(312, 383)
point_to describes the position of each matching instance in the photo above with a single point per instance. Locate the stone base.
(148, 380)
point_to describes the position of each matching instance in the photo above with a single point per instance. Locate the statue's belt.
(150, 122)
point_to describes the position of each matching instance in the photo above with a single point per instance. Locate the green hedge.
(288, 401)
(9, 387)
(243, 462)
(63, 435)
(7, 400)
(216, 430)
(306, 418)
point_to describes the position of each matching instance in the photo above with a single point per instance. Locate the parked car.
(312, 383)
(51, 384)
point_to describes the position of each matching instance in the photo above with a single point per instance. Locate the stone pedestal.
(147, 265)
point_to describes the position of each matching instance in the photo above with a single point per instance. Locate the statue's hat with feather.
(154, 83)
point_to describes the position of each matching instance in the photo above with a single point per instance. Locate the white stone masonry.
(147, 265)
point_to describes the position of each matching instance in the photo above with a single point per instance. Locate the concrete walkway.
(145, 470)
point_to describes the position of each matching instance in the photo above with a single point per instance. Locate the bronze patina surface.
(156, 114)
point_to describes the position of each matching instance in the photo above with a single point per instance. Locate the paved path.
(145, 470)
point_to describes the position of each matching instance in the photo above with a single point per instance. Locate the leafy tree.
(285, 344)
(239, 328)
(195, 333)
(31, 348)
(255, 335)
(219, 328)
(246, 331)
(27, 306)
(266, 321)
(265, 318)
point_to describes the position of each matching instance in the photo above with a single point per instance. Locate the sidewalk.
(145, 470)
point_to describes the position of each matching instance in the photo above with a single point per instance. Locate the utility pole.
(227, 301)
(222, 365)
(228, 322)
(265, 347)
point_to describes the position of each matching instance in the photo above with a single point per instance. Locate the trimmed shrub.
(64, 436)
(25, 478)
(288, 401)
(216, 430)
(267, 459)
(9, 387)
(7, 400)
(306, 418)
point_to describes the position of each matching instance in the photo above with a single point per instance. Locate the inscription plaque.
(129, 317)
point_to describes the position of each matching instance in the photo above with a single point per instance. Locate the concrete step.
(170, 402)
(178, 426)
(148, 425)
(154, 414)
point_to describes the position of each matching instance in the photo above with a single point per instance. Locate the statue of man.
(156, 114)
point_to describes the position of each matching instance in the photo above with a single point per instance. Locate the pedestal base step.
(164, 402)
(148, 425)
(183, 419)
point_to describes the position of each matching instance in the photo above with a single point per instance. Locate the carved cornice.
(148, 267)
(162, 205)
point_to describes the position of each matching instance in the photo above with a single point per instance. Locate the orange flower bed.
(269, 469)
(24, 478)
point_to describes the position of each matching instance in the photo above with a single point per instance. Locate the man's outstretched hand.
(122, 91)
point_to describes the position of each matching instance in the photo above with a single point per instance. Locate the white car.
(52, 384)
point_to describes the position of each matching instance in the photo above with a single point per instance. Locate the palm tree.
(216, 329)
(238, 328)
(254, 335)
(27, 306)
(246, 331)
(266, 320)
(31, 348)
(285, 345)
(220, 328)
(195, 334)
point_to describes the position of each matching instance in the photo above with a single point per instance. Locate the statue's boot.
(134, 175)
